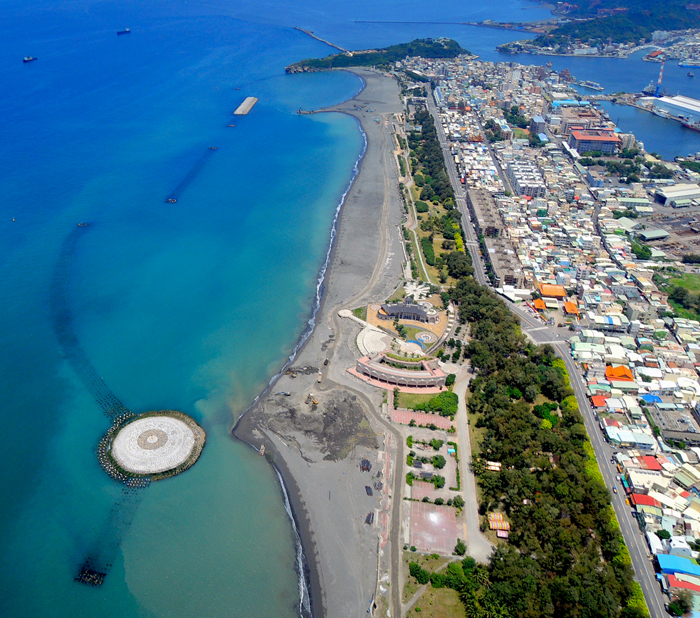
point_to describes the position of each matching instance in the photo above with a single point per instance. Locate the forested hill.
(636, 22)
(425, 48)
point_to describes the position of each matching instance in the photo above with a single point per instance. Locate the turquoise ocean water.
(191, 306)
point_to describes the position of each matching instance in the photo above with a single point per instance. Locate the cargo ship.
(29, 59)
(125, 31)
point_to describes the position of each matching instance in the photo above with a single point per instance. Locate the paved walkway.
(434, 528)
(404, 417)
(478, 547)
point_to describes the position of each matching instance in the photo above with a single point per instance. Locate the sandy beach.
(317, 441)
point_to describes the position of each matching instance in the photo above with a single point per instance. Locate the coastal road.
(543, 334)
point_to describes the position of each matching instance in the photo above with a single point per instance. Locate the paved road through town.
(470, 241)
(535, 328)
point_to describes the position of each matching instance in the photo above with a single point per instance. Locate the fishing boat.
(171, 200)
(690, 74)
(29, 59)
(125, 31)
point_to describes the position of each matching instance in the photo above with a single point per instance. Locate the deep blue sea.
(190, 306)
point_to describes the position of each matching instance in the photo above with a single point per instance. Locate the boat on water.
(82, 224)
(171, 200)
(690, 74)
(125, 31)
(691, 125)
(591, 85)
(689, 63)
(650, 89)
(230, 125)
(213, 148)
(29, 59)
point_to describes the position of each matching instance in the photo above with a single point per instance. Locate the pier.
(245, 107)
(318, 38)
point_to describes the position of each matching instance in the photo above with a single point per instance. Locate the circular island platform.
(153, 445)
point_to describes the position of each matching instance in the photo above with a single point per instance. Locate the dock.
(318, 38)
(245, 107)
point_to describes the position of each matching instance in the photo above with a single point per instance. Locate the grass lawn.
(520, 133)
(688, 281)
(432, 562)
(411, 400)
(400, 294)
(412, 331)
(361, 312)
(438, 603)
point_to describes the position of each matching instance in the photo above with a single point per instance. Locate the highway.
(539, 332)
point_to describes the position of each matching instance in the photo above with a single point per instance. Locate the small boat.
(29, 59)
(213, 148)
(81, 224)
(690, 74)
(691, 125)
(125, 31)
(230, 125)
(171, 200)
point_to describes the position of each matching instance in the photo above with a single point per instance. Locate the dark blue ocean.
(190, 306)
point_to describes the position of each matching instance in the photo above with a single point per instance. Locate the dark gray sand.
(318, 447)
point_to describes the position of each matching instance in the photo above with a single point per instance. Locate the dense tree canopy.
(565, 555)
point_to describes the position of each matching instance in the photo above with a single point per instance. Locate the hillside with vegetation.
(425, 48)
(628, 27)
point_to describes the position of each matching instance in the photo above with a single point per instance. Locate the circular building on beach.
(153, 445)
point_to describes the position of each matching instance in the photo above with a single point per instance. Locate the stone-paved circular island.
(154, 445)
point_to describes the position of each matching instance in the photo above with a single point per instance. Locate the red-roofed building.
(552, 291)
(619, 374)
(643, 500)
(592, 140)
(650, 463)
(598, 401)
(570, 308)
(675, 583)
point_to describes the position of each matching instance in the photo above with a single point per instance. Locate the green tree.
(461, 548)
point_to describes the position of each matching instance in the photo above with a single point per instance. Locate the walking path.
(478, 547)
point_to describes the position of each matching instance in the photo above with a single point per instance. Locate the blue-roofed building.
(543, 137)
(677, 564)
(650, 399)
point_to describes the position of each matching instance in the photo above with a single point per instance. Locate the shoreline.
(248, 427)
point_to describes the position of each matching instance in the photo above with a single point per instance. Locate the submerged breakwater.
(62, 319)
(104, 549)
